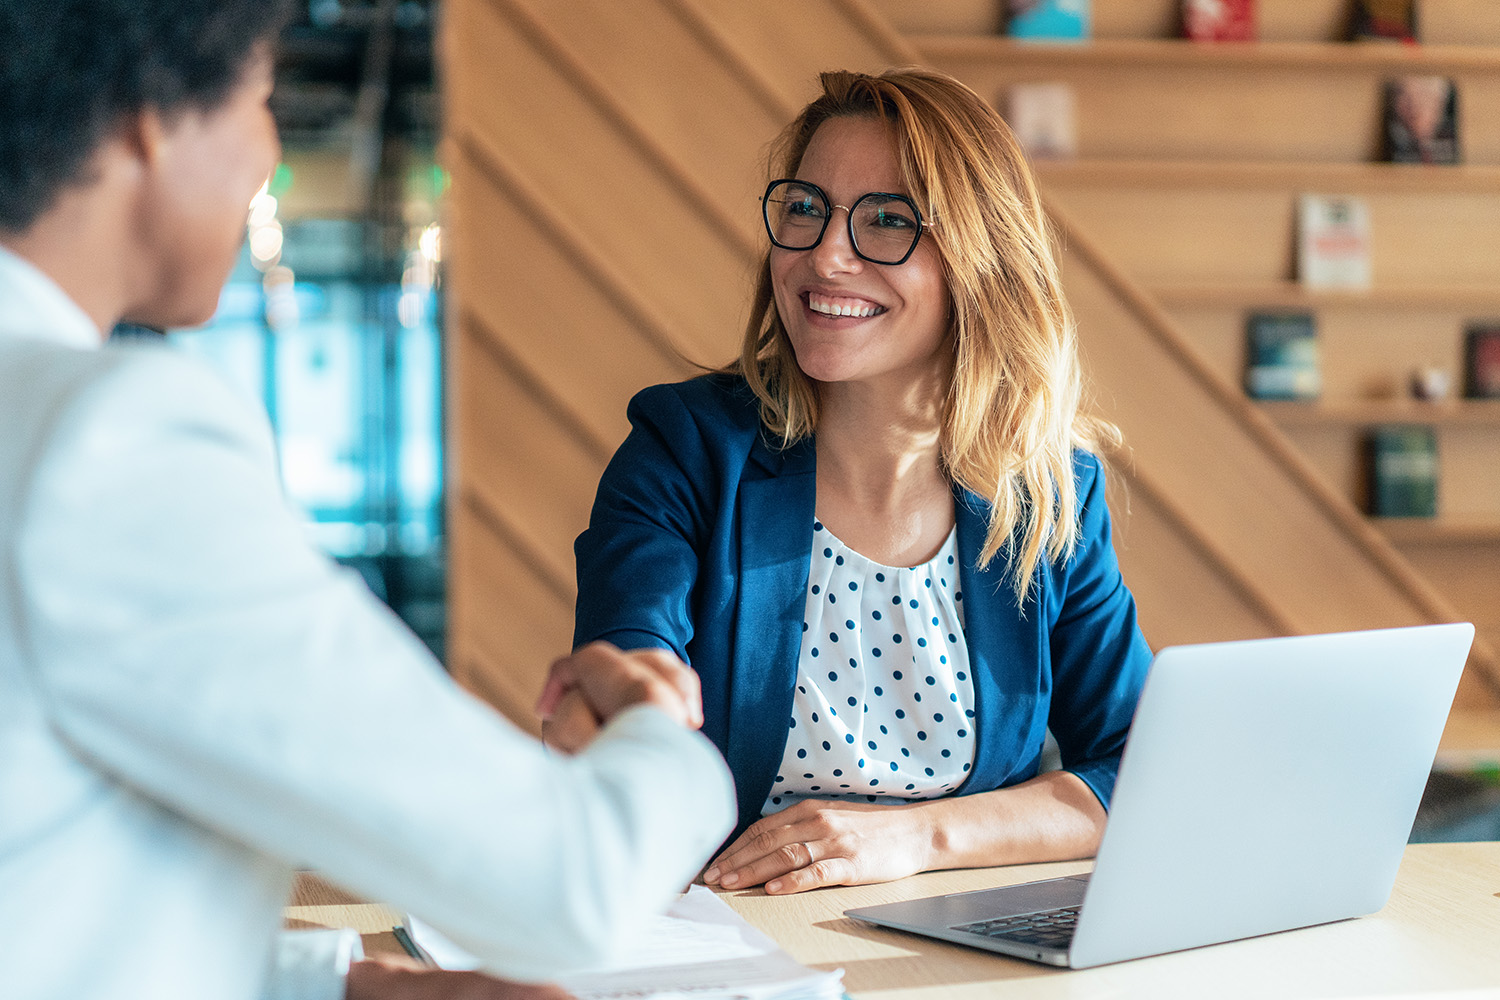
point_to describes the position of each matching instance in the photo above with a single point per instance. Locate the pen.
(410, 946)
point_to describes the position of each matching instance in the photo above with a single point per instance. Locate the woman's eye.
(806, 208)
(889, 219)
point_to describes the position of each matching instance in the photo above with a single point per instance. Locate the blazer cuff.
(311, 965)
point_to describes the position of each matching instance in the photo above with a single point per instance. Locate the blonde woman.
(881, 537)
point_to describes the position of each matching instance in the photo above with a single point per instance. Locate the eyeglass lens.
(883, 227)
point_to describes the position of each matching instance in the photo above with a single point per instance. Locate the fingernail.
(712, 875)
(774, 886)
(729, 879)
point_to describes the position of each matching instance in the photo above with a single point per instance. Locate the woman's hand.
(819, 842)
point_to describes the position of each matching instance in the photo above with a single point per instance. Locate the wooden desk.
(1439, 933)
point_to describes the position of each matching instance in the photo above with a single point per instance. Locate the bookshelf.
(1191, 158)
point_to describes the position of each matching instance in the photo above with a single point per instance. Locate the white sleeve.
(190, 642)
(311, 964)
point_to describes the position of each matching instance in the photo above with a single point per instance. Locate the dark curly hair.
(72, 69)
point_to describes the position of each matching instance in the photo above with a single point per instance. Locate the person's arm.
(638, 560)
(186, 639)
(818, 842)
(1099, 661)
(1099, 657)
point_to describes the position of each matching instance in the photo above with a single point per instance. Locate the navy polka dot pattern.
(900, 632)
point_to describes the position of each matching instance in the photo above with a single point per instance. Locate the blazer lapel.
(775, 551)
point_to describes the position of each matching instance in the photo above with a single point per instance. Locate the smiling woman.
(881, 536)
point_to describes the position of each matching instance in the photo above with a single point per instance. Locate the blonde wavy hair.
(1011, 418)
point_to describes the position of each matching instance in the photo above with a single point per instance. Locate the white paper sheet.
(699, 948)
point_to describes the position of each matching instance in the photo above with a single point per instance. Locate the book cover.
(1384, 21)
(1048, 20)
(1282, 356)
(1404, 471)
(1482, 361)
(1044, 118)
(1421, 120)
(1333, 241)
(1218, 20)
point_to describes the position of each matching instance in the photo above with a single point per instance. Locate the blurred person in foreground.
(192, 701)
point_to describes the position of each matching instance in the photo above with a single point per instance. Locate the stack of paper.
(699, 947)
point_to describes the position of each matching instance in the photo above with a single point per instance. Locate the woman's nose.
(835, 254)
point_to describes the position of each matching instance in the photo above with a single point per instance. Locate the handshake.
(588, 688)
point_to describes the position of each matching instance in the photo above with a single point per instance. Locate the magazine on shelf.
(1047, 20)
(1218, 20)
(1421, 120)
(1404, 471)
(1482, 361)
(1282, 356)
(1333, 241)
(1043, 117)
(1384, 21)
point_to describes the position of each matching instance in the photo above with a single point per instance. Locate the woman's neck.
(881, 487)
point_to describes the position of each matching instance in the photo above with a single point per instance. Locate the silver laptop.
(1267, 784)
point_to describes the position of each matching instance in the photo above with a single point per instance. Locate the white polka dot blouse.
(883, 710)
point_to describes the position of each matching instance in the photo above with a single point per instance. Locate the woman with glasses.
(881, 536)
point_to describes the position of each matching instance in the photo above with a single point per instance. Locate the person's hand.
(392, 977)
(588, 688)
(572, 724)
(819, 842)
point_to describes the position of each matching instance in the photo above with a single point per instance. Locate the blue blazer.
(700, 542)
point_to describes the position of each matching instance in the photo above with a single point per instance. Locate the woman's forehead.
(848, 157)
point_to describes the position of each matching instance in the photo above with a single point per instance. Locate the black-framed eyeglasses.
(883, 228)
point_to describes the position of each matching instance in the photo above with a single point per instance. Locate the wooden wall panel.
(505, 627)
(542, 305)
(511, 98)
(728, 162)
(1181, 596)
(523, 464)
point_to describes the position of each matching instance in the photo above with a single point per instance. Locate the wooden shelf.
(1369, 412)
(1439, 530)
(1352, 178)
(1291, 295)
(1167, 53)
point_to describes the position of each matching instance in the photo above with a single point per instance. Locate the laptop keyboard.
(1048, 928)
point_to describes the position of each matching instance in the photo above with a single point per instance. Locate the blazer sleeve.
(1099, 657)
(186, 640)
(640, 557)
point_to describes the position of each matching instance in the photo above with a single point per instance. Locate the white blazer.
(193, 702)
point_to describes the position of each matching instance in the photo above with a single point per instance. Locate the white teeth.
(845, 308)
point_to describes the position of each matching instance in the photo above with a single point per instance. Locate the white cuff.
(311, 965)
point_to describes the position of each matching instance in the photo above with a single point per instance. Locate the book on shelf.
(1282, 356)
(1218, 20)
(1047, 20)
(1384, 21)
(1404, 471)
(1482, 361)
(1333, 241)
(1043, 117)
(1421, 120)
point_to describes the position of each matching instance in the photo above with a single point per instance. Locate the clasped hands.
(598, 681)
(813, 843)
